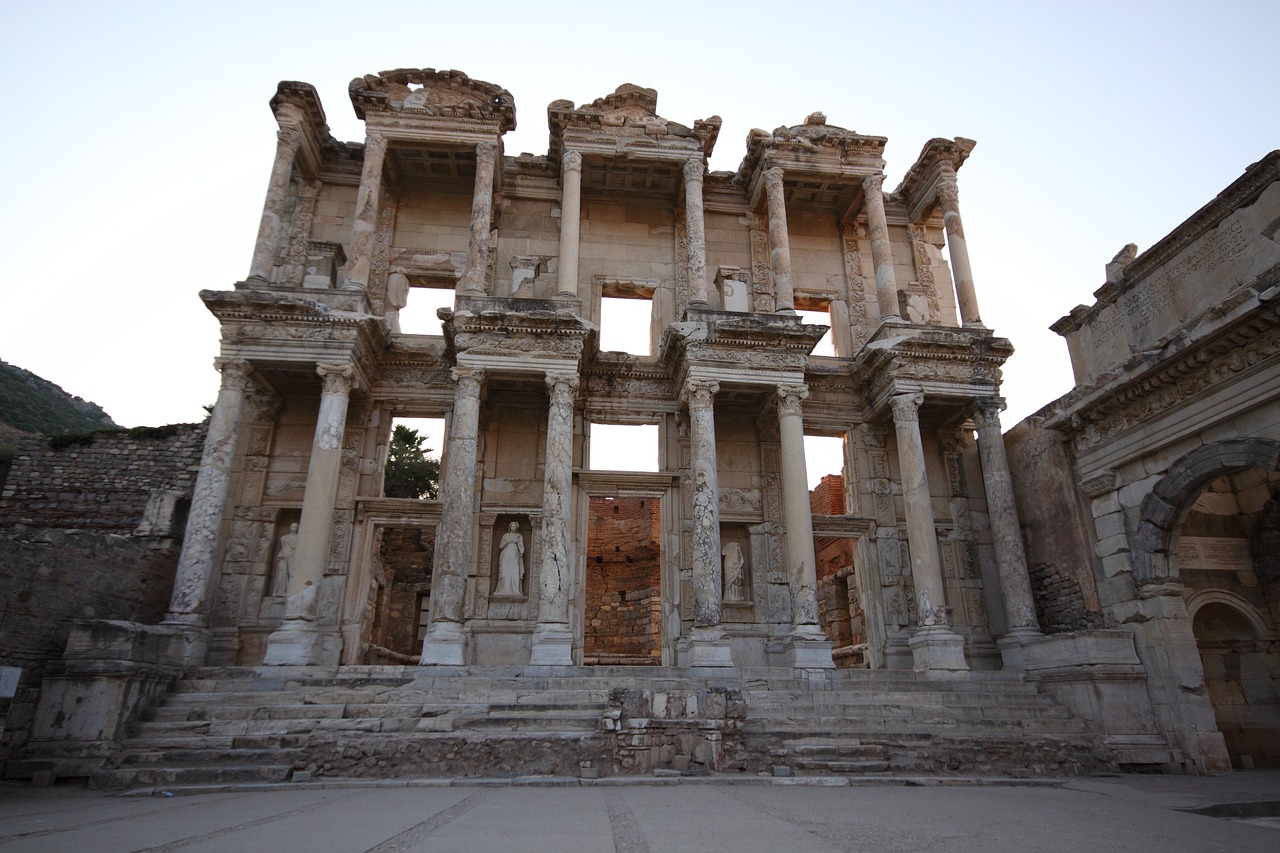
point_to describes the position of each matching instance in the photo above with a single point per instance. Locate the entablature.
(940, 159)
(948, 365)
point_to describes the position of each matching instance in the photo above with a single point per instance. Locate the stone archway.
(1163, 509)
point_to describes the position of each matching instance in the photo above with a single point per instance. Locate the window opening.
(624, 447)
(622, 624)
(826, 344)
(418, 316)
(625, 323)
(413, 459)
(824, 460)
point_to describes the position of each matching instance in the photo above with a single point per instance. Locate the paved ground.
(748, 814)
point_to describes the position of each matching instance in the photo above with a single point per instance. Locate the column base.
(710, 647)
(195, 635)
(445, 644)
(808, 648)
(299, 642)
(552, 645)
(937, 650)
(1011, 647)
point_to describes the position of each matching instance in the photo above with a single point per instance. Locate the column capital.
(561, 385)
(986, 412)
(949, 192)
(571, 161)
(873, 183)
(773, 177)
(338, 378)
(694, 170)
(701, 393)
(486, 149)
(375, 143)
(468, 375)
(289, 136)
(790, 397)
(235, 372)
(906, 407)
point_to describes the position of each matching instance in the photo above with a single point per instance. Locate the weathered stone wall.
(101, 485)
(49, 579)
(623, 606)
(408, 554)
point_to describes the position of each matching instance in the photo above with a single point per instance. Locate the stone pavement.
(738, 814)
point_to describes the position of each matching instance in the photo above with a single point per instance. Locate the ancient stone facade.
(1150, 493)
(316, 367)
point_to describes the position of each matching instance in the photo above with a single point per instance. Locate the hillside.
(29, 404)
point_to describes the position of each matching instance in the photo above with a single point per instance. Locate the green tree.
(411, 473)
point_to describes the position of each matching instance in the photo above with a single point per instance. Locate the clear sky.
(138, 140)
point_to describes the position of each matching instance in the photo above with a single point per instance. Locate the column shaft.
(796, 512)
(209, 499)
(1011, 558)
(570, 223)
(288, 141)
(779, 243)
(552, 640)
(315, 527)
(707, 589)
(366, 221)
(949, 199)
(881, 253)
(474, 278)
(695, 231)
(922, 536)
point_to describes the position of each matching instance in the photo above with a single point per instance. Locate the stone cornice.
(448, 95)
(943, 362)
(514, 327)
(623, 119)
(938, 159)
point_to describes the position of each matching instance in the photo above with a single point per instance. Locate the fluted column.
(881, 252)
(552, 639)
(570, 223)
(779, 243)
(809, 647)
(707, 644)
(935, 646)
(949, 199)
(209, 499)
(297, 641)
(695, 231)
(366, 223)
(1006, 533)
(444, 642)
(473, 279)
(288, 141)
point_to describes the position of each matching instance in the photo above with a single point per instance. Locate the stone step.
(139, 777)
(138, 756)
(840, 767)
(879, 726)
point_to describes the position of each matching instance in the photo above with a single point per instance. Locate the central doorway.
(622, 616)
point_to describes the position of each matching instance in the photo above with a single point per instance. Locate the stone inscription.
(1214, 553)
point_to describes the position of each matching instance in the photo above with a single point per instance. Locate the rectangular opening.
(405, 556)
(623, 447)
(625, 324)
(413, 459)
(824, 464)
(418, 316)
(622, 621)
(826, 345)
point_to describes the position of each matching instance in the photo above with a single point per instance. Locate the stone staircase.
(235, 725)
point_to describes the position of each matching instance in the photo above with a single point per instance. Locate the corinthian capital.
(986, 413)
(872, 183)
(790, 398)
(906, 407)
(235, 373)
(562, 386)
(949, 192)
(701, 393)
(694, 170)
(338, 378)
(469, 379)
(571, 161)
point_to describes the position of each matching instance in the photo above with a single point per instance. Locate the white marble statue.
(734, 572)
(285, 549)
(511, 562)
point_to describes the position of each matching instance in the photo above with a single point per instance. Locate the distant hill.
(29, 404)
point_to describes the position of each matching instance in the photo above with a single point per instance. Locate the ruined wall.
(408, 555)
(623, 606)
(1055, 529)
(103, 484)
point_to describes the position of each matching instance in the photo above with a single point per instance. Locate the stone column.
(553, 639)
(881, 253)
(209, 500)
(297, 641)
(707, 644)
(695, 231)
(473, 279)
(366, 222)
(807, 647)
(934, 646)
(949, 199)
(1006, 533)
(288, 141)
(779, 243)
(445, 643)
(570, 223)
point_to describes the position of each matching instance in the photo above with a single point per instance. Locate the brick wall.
(101, 485)
(827, 498)
(623, 608)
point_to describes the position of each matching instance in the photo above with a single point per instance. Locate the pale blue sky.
(138, 140)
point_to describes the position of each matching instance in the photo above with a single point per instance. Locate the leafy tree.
(411, 473)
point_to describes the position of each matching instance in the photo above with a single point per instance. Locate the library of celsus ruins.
(1103, 594)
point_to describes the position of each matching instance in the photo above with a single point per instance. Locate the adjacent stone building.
(721, 562)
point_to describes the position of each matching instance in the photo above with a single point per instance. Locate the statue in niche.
(511, 563)
(734, 572)
(285, 549)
